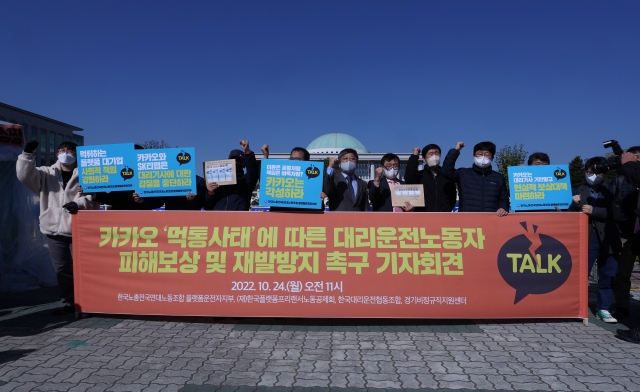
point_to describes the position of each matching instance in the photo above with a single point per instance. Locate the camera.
(613, 164)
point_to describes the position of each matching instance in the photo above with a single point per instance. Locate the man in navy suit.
(345, 190)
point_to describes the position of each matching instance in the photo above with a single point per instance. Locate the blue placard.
(106, 168)
(166, 172)
(295, 184)
(541, 187)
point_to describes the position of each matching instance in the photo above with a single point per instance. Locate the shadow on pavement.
(29, 313)
(12, 355)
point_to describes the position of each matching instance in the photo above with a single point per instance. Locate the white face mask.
(348, 167)
(66, 159)
(433, 160)
(482, 162)
(593, 179)
(391, 173)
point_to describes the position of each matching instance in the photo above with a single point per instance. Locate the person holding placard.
(538, 158)
(235, 197)
(439, 192)
(345, 190)
(596, 200)
(380, 187)
(125, 200)
(297, 154)
(480, 189)
(57, 187)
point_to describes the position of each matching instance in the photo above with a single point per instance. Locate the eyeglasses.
(392, 167)
(70, 152)
(485, 154)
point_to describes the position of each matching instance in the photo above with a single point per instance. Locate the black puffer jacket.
(236, 197)
(479, 190)
(439, 191)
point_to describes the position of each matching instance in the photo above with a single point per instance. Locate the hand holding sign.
(211, 188)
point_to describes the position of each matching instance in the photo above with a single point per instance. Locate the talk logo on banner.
(534, 263)
(126, 173)
(183, 158)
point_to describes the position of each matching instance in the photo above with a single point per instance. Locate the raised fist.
(459, 146)
(245, 145)
(31, 146)
(416, 151)
(379, 173)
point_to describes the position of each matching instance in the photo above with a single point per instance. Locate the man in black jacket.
(630, 168)
(235, 197)
(629, 226)
(480, 189)
(380, 187)
(439, 192)
(595, 199)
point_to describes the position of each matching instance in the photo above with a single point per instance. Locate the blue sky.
(559, 77)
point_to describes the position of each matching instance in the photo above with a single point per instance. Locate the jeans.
(607, 268)
(60, 252)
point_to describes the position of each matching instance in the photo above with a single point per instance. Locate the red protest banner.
(412, 265)
(11, 134)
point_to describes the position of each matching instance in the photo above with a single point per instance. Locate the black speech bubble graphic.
(559, 174)
(312, 172)
(534, 263)
(126, 173)
(183, 157)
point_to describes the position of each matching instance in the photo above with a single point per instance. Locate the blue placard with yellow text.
(543, 187)
(288, 183)
(166, 172)
(106, 168)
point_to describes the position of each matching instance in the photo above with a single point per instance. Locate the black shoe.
(632, 335)
(621, 313)
(63, 310)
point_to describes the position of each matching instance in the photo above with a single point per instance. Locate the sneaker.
(632, 335)
(605, 316)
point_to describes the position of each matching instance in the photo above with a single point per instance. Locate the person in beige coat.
(57, 187)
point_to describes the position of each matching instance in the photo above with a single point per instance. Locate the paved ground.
(106, 353)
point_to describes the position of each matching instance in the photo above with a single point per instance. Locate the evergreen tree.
(576, 171)
(509, 156)
(152, 144)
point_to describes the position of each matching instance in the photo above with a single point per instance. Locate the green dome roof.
(335, 142)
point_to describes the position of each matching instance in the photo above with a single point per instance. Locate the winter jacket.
(123, 200)
(600, 219)
(479, 190)
(628, 195)
(631, 171)
(236, 197)
(380, 196)
(46, 181)
(180, 203)
(439, 191)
